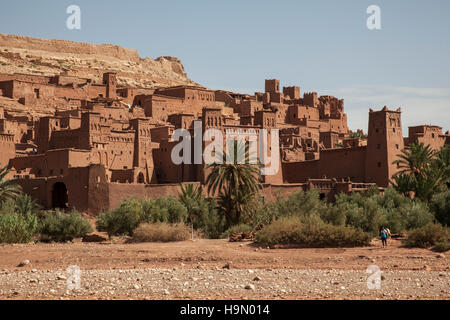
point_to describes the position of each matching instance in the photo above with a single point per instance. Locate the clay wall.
(7, 148)
(343, 163)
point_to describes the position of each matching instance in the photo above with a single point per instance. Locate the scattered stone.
(427, 268)
(250, 287)
(61, 277)
(136, 286)
(227, 265)
(24, 263)
(440, 256)
(257, 278)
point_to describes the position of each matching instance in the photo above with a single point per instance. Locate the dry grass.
(291, 231)
(161, 232)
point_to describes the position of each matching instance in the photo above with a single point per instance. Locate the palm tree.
(235, 182)
(25, 205)
(403, 183)
(422, 170)
(441, 164)
(428, 185)
(415, 160)
(231, 176)
(188, 192)
(8, 187)
(191, 198)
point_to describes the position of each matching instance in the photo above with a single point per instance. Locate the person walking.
(384, 235)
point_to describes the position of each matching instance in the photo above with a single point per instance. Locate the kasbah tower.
(384, 143)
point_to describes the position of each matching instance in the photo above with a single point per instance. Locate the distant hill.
(20, 54)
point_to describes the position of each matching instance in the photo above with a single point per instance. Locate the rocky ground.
(21, 54)
(218, 269)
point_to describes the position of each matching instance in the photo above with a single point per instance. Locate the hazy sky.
(321, 45)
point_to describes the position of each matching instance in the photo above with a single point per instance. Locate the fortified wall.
(105, 143)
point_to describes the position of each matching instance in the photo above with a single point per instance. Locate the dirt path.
(194, 270)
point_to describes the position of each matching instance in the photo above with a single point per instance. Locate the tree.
(8, 187)
(188, 193)
(191, 198)
(403, 183)
(25, 205)
(235, 182)
(423, 171)
(440, 165)
(415, 160)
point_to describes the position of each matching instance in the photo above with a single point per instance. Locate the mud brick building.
(72, 143)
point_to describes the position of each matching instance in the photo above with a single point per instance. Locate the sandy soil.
(195, 270)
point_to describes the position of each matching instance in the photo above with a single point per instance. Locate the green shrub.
(427, 236)
(168, 209)
(132, 212)
(371, 209)
(122, 220)
(161, 232)
(313, 233)
(17, 228)
(206, 217)
(442, 246)
(299, 204)
(60, 227)
(237, 228)
(440, 206)
(416, 214)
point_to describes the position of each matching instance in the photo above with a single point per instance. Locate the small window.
(379, 164)
(396, 146)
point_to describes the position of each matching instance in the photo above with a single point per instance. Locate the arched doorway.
(140, 178)
(60, 197)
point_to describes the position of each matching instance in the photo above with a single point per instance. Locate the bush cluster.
(17, 228)
(22, 220)
(132, 212)
(293, 231)
(430, 235)
(161, 232)
(202, 214)
(60, 227)
(237, 228)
